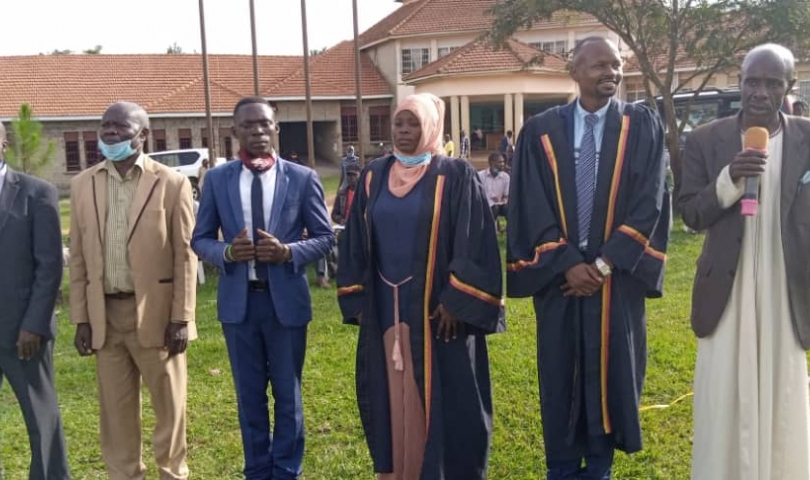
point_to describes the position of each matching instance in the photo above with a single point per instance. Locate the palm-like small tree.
(25, 151)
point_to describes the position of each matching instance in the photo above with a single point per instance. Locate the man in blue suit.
(263, 204)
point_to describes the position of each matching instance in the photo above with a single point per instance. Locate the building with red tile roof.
(435, 46)
(424, 45)
(69, 93)
(439, 46)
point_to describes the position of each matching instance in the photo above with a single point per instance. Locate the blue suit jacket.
(298, 204)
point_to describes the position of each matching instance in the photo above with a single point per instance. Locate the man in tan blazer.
(133, 292)
(751, 297)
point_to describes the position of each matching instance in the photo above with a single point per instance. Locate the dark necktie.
(257, 213)
(586, 177)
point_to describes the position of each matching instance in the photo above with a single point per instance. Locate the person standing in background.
(449, 146)
(465, 146)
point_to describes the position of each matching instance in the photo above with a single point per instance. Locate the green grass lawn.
(335, 445)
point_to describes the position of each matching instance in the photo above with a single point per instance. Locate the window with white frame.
(414, 58)
(804, 90)
(634, 90)
(445, 51)
(559, 47)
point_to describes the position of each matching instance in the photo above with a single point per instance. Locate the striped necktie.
(586, 177)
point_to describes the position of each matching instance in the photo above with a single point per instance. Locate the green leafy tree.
(93, 51)
(25, 152)
(710, 35)
(61, 52)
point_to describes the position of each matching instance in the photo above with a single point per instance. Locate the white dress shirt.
(268, 179)
(3, 169)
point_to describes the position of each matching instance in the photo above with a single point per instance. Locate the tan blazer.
(708, 150)
(164, 268)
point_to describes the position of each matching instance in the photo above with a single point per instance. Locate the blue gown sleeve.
(537, 249)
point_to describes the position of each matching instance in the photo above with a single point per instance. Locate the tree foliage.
(174, 49)
(25, 151)
(93, 51)
(707, 36)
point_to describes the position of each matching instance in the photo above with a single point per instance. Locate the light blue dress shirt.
(598, 129)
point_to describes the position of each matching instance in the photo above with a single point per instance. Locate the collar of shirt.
(601, 113)
(264, 174)
(111, 170)
(579, 126)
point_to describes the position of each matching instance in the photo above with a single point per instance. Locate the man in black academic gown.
(587, 235)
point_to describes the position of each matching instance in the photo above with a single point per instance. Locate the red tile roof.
(426, 17)
(334, 71)
(84, 85)
(479, 56)
(660, 62)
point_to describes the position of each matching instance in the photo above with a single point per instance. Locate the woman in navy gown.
(420, 273)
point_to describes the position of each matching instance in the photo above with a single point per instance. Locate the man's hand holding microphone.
(749, 164)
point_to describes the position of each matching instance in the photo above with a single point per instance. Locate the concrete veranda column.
(465, 115)
(508, 115)
(518, 114)
(454, 125)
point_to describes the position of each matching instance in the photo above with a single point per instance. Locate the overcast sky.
(31, 27)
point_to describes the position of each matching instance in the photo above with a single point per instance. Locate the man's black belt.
(258, 285)
(120, 295)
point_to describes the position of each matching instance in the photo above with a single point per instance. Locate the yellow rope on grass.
(661, 407)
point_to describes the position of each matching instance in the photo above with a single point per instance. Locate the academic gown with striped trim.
(457, 263)
(592, 352)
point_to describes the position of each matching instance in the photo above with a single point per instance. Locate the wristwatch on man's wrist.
(603, 267)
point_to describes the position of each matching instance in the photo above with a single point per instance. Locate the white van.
(187, 162)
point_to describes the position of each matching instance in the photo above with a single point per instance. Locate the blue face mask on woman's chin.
(413, 161)
(118, 152)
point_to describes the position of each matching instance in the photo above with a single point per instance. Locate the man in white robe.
(751, 298)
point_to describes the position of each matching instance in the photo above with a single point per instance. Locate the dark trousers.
(32, 382)
(598, 465)
(498, 211)
(262, 350)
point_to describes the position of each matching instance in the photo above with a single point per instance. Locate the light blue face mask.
(118, 152)
(414, 161)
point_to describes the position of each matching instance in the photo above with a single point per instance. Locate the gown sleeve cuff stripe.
(655, 253)
(349, 290)
(634, 234)
(521, 264)
(474, 292)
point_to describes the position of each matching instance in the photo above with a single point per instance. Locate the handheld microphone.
(756, 138)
